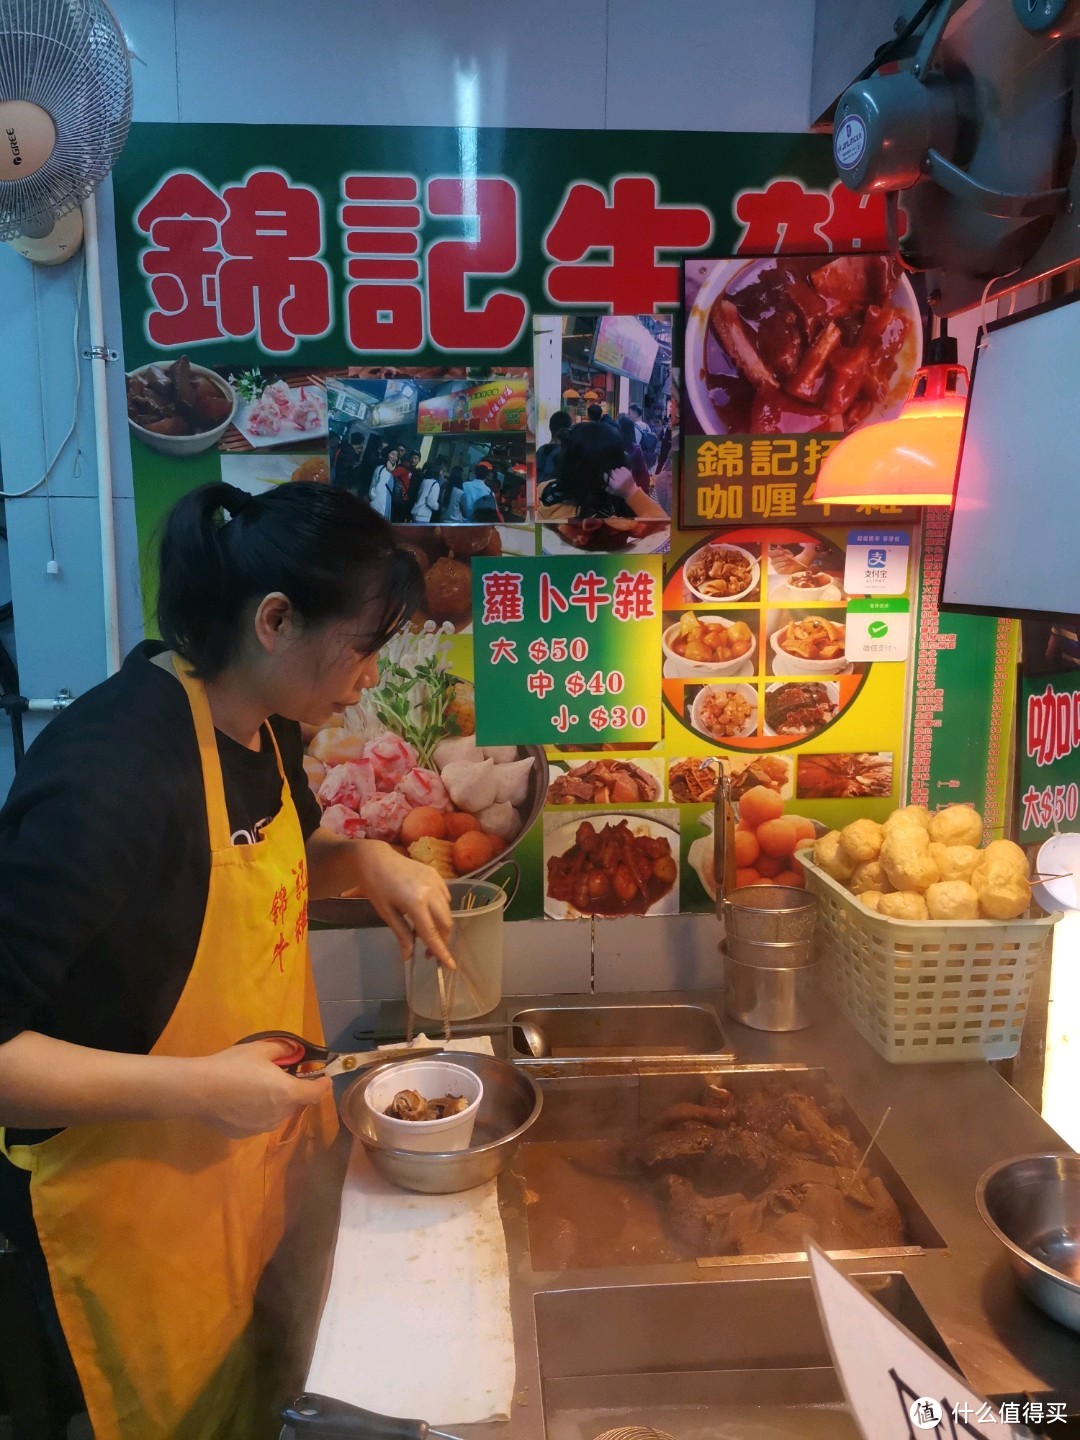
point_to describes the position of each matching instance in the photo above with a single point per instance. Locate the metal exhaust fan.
(973, 133)
(65, 109)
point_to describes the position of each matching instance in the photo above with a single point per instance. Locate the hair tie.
(234, 507)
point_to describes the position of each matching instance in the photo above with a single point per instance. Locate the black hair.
(595, 413)
(638, 409)
(558, 423)
(481, 467)
(627, 430)
(223, 550)
(457, 477)
(589, 454)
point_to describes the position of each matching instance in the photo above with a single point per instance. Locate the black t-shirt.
(105, 863)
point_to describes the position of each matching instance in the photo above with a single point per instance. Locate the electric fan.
(65, 108)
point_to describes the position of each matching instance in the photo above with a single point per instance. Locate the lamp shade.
(907, 461)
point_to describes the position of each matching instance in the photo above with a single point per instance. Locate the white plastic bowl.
(182, 445)
(748, 692)
(706, 667)
(431, 1078)
(797, 665)
(755, 574)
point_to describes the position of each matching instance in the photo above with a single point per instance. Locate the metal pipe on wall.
(99, 360)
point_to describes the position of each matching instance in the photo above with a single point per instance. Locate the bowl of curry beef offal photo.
(611, 865)
(179, 409)
(791, 344)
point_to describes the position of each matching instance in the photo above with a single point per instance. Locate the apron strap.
(217, 810)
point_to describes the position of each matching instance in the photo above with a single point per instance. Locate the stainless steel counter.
(948, 1123)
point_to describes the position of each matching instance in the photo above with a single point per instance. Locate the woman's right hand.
(242, 1092)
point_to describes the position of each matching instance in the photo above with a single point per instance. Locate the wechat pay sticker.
(877, 629)
(849, 142)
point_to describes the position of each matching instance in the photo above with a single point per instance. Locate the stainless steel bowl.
(770, 912)
(769, 998)
(510, 1106)
(1032, 1205)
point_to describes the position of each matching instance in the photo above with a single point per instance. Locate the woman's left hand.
(412, 898)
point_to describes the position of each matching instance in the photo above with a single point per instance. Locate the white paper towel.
(417, 1319)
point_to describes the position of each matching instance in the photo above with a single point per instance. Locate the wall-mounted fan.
(65, 108)
(970, 137)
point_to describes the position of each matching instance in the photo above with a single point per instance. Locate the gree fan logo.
(16, 153)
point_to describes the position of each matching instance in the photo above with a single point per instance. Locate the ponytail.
(224, 549)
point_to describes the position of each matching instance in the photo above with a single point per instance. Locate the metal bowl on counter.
(1032, 1204)
(510, 1107)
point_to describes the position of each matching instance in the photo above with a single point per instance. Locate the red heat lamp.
(911, 460)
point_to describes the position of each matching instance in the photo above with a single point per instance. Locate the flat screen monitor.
(1014, 541)
(626, 347)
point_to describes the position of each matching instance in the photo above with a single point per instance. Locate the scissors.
(308, 1061)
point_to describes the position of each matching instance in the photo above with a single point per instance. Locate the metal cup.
(770, 954)
(769, 998)
(770, 912)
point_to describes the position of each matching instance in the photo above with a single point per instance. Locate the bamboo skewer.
(866, 1152)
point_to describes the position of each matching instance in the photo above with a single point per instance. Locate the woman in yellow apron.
(157, 854)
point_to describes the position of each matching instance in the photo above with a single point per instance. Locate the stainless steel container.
(510, 1106)
(769, 997)
(770, 954)
(770, 912)
(1032, 1205)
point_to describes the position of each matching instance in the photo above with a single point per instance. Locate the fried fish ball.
(871, 899)
(954, 862)
(903, 905)
(952, 900)
(827, 855)
(861, 841)
(957, 825)
(448, 590)
(906, 858)
(1005, 853)
(869, 876)
(1005, 895)
(916, 815)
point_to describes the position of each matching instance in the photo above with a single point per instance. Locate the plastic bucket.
(476, 943)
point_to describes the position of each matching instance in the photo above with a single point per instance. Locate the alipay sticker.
(877, 562)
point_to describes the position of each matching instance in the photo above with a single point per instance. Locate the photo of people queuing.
(453, 474)
(605, 417)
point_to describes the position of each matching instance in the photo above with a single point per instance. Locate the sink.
(590, 1211)
(579, 1032)
(717, 1361)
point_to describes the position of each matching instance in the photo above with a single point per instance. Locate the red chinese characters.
(387, 307)
(503, 602)
(789, 218)
(634, 597)
(631, 228)
(240, 263)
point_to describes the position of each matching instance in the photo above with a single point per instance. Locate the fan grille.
(69, 57)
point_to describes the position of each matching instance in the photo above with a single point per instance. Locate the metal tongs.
(318, 1415)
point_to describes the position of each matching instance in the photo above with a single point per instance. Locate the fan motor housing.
(885, 126)
(27, 138)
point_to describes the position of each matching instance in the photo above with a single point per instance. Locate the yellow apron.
(157, 1233)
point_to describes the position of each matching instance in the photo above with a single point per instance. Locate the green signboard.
(567, 650)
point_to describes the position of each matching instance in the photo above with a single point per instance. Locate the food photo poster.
(353, 313)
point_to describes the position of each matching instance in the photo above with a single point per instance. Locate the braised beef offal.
(795, 345)
(604, 782)
(614, 533)
(411, 1105)
(797, 709)
(844, 777)
(612, 871)
(724, 1176)
(171, 400)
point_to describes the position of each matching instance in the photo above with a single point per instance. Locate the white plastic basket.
(931, 989)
